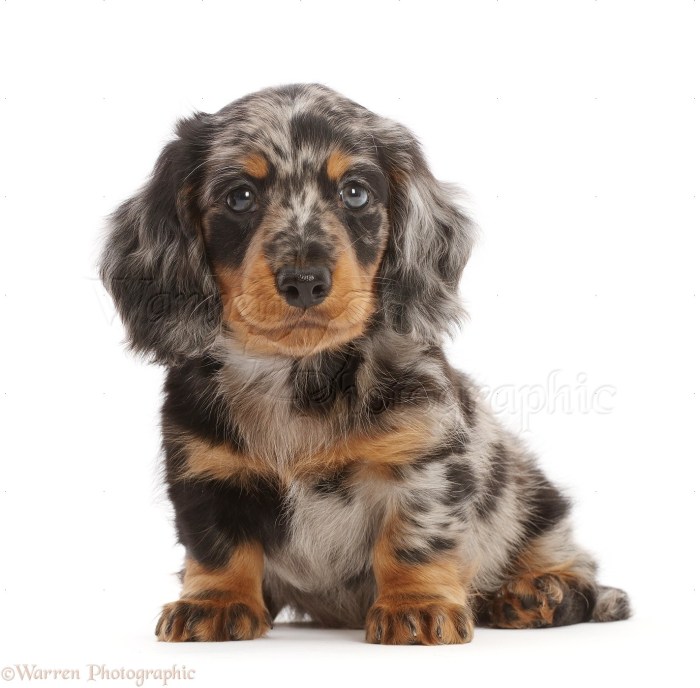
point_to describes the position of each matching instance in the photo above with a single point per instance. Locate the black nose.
(304, 288)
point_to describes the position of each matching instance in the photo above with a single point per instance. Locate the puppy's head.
(291, 221)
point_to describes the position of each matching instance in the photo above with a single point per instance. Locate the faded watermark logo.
(94, 673)
(558, 394)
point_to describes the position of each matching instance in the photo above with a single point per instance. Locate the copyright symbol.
(7, 673)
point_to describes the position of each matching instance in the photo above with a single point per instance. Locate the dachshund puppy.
(295, 266)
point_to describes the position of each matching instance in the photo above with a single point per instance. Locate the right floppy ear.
(154, 264)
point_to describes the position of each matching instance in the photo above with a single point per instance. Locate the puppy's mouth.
(276, 327)
(298, 319)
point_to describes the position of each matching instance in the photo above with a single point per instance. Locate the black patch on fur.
(363, 229)
(509, 612)
(422, 555)
(462, 483)
(310, 129)
(363, 225)
(191, 403)
(213, 516)
(546, 507)
(576, 607)
(395, 387)
(373, 179)
(440, 544)
(228, 236)
(336, 484)
(412, 556)
(456, 445)
(315, 251)
(529, 602)
(458, 380)
(329, 378)
(284, 249)
(494, 484)
(467, 404)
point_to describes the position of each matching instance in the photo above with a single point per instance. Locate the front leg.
(224, 526)
(219, 603)
(421, 588)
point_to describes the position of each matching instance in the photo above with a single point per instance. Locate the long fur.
(339, 466)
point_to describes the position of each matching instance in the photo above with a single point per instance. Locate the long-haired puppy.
(295, 265)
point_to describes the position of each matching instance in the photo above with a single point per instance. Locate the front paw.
(212, 620)
(416, 622)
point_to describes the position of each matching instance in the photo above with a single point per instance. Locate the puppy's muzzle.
(304, 288)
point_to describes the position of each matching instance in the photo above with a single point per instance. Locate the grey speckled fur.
(476, 494)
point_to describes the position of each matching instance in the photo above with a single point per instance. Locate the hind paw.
(539, 602)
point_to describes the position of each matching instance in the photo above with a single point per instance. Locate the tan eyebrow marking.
(337, 165)
(256, 166)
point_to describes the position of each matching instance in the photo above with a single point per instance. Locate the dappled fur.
(329, 459)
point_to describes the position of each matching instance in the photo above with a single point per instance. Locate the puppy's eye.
(241, 199)
(354, 196)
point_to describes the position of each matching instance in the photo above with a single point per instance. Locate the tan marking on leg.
(224, 603)
(418, 603)
(240, 578)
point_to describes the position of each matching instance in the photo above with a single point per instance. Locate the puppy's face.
(288, 221)
(295, 224)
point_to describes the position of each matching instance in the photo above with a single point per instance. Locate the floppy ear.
(429, 244)
(153, 263)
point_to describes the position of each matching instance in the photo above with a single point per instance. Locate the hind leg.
(552, 584)
(539, 601)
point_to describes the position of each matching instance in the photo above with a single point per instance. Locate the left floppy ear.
(429, 244)
(154, 264)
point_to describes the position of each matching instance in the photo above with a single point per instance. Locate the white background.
(575, 128)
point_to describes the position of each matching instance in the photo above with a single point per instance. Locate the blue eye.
(354, 196)
(241, 199)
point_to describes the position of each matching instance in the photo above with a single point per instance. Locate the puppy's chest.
(279, 438)
(329, 524)
(283, 413)
(295, 426)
